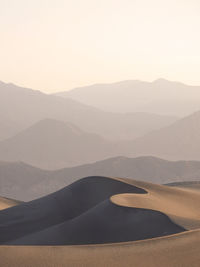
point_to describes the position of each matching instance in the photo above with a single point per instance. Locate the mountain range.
(53, 144)
(20, 108)
(181, 140)
(53, 132)
(24, 182)
(160, 96)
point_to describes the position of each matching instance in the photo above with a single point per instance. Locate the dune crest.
(180, 204)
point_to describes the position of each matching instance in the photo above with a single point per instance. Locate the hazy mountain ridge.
(53, 144)
(179, 141)
(21, 107)
(160, 96)
(24, 182)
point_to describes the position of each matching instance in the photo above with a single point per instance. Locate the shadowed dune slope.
(60, 206)
(105, 223)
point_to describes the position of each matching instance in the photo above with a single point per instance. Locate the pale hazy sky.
(55, 45)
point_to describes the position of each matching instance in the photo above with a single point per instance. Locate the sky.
(56, 45)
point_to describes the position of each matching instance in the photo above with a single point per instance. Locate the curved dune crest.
(182, 205)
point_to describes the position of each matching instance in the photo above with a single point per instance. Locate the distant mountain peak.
(11, 87)
(165, 81)
(49, 124)
(162, 80)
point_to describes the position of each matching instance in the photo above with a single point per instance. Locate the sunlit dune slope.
(170, 251)
(7, 203)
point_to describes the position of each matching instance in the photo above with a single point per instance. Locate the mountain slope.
(136, 96)
(18, 180)
(8, 127)
(54, 144)
(22, 107)
(179, 141)
(24, 182)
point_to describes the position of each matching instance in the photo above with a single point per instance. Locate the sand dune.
(60, 206)
(180, 204)
(7, 203)
(113, 211)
